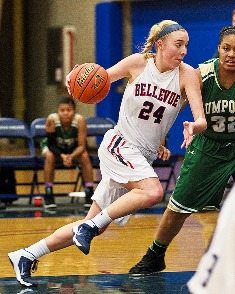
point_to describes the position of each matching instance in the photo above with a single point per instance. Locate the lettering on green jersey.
(220, 106)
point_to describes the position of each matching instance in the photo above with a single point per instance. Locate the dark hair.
(67, 100)
(229, 30)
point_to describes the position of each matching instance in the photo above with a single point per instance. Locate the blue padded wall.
(109, 51)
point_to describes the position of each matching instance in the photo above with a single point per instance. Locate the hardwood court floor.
(113, 252)
(105, 269)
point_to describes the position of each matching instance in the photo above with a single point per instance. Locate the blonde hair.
(154, 32)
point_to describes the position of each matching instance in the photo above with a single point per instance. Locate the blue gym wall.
(109, 42)
(202, 19)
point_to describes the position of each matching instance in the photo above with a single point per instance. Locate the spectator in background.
(66, 140)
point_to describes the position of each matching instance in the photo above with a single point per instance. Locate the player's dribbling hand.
(163, 153)
(188, 133)
(68, 80)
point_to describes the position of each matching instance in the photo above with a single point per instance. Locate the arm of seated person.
(51, 136)
(82, 138)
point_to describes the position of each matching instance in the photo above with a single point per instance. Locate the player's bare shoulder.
(186, 68)
(138, 58)
(80, 120)
(50, 122)
(137, 63)
(187, 73)
(79, 117)
(129, 67)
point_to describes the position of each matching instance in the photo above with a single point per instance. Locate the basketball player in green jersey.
(210, 158)
(66, 140)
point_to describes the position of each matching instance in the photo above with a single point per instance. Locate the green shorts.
(203, 176)
(44, 148)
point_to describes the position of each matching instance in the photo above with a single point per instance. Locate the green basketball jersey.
(219, 104)
(67, 140)
(210, 159)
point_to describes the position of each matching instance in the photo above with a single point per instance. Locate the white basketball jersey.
(216, 271)
(149, 107)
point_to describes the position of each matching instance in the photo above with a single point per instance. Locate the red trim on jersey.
(111, 142)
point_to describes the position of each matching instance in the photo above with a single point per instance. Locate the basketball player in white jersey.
(216, 270)
(158, 85)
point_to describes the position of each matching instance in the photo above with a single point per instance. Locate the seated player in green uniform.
(66, 140)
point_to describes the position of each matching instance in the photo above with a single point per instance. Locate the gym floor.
(105, 269)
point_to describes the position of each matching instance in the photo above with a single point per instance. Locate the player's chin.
(178, 62)
(66, 120)
(175, 63)
(229, 67)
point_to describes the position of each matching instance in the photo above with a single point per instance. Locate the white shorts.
(106, 193)
(120, 162)
(44, 151)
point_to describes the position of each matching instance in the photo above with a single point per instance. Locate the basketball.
(90, 83)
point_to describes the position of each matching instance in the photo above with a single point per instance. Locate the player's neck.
(226, 78)
(66, 125)
(160, 65)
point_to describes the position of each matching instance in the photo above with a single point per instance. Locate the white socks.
(38, 249)
(101, 220)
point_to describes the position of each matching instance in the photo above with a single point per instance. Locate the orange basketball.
(90, 83)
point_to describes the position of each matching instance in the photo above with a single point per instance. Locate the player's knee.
(84, 156)
(50, 157)
(155, 196)
(173, 218)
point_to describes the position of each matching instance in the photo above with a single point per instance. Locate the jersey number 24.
(148, 111)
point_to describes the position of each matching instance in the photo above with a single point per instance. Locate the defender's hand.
(188, 134)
